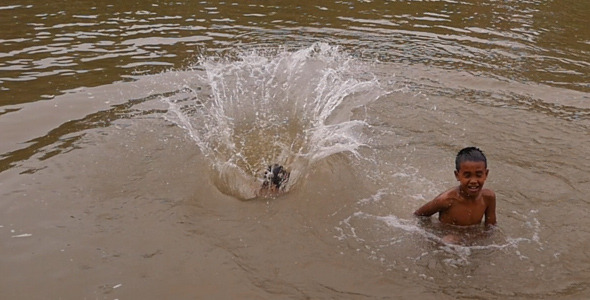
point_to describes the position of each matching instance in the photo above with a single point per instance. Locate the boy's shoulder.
(448, 197)
(488, 194)
(451, 193)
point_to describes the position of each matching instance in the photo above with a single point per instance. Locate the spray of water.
(264, 107)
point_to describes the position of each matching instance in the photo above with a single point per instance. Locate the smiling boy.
(468, 203)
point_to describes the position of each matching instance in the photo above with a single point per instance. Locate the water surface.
(133, 136)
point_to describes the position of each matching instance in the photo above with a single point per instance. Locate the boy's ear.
(456, 174)
(487, 172)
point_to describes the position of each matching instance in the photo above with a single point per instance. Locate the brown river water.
(133, 136)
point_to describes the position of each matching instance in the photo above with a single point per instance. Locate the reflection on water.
(129, 129)
(68, 44)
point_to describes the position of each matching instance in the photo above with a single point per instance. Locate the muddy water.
(131, 136)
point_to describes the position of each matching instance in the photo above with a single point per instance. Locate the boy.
(275, 179)
(466, 204)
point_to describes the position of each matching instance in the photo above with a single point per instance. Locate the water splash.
(266, 107)
(366, 231)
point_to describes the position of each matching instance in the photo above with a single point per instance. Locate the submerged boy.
(275, 179)
(468, 203)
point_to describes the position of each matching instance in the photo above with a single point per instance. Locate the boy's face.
(471, 175)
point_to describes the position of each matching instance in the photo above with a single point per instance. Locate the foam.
(274, 106)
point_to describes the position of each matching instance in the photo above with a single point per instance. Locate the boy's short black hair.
(470, 154)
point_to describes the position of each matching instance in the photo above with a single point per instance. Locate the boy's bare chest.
(464, 212)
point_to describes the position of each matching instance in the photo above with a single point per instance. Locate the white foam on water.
(377, 197)
(264, 107)
(365, 230)
(22, 235)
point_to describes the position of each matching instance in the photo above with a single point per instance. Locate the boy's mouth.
(473, 189)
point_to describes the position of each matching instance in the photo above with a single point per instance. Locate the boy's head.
(470, 154)
(275, 176)
(471, 171)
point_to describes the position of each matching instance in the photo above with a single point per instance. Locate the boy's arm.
(439, 203)
(490, 218)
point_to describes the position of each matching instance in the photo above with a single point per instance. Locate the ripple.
(524, 41)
